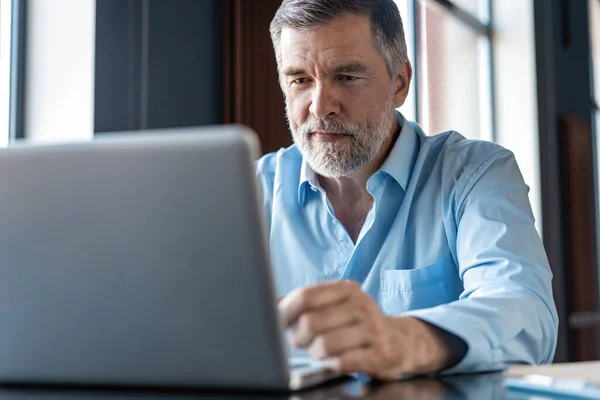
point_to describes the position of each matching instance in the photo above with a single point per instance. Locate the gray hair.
(386, 24)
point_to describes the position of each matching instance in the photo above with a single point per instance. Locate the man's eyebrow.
(352, 67)
(291, 71)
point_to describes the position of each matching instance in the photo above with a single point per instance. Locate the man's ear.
(401, 82)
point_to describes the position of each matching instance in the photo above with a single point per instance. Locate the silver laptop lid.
(137, 259)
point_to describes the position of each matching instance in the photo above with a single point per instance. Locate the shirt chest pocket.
(423, 287)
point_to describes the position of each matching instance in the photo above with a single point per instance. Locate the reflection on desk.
(481, 386)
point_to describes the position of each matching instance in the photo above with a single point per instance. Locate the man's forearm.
(433, 349)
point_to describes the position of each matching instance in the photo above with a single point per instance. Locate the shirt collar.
(399, 163)
(308, 177)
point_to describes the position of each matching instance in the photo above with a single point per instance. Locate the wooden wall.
(252, 93)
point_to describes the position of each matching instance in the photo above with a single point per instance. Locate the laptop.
(140, 259)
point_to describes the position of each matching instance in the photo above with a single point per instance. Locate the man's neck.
(352, 189)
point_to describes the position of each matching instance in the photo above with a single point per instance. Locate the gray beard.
(343, 157)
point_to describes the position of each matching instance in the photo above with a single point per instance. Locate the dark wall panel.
(185, 63)
(117, 65)
(566, 169)
(158, 64)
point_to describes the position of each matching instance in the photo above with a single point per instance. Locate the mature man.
(396, 252)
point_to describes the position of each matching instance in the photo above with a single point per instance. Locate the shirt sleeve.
(506, 313)
(264, 182)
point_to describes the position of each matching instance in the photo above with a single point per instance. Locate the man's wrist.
(433, 349)
(454, 348)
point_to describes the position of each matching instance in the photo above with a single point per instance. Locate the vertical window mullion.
(490, 57)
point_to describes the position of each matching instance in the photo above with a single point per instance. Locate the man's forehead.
(299, 54)
(323, 37)
(347, 38)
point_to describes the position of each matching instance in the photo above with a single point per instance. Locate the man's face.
(340, 98)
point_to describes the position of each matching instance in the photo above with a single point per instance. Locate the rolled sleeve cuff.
(481, 355)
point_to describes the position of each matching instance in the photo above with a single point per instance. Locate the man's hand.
(338, 322)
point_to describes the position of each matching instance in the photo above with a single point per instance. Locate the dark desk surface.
(476, 387)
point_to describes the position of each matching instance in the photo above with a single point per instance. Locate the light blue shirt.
(450, 239)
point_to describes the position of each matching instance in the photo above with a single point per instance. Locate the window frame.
(482, 26)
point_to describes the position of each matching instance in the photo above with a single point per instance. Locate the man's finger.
(338, 341)
(355, 360)
(362, 360)
(315, 297)
(313, 323)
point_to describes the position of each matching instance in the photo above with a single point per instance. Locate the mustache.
(328, 126)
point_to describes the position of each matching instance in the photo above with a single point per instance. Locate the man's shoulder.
(464, 164)
(270, 162)
(455, 148)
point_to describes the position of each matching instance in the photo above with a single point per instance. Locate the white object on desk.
(580, 380)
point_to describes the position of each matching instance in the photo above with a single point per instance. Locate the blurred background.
(522, 73)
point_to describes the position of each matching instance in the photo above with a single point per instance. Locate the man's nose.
(324, 102)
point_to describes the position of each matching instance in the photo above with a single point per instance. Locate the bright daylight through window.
(452, 73)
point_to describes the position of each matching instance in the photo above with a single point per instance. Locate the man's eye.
(347, 78)
(299, 81)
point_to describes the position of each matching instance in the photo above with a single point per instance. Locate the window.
(5, 68)
(452, 85)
